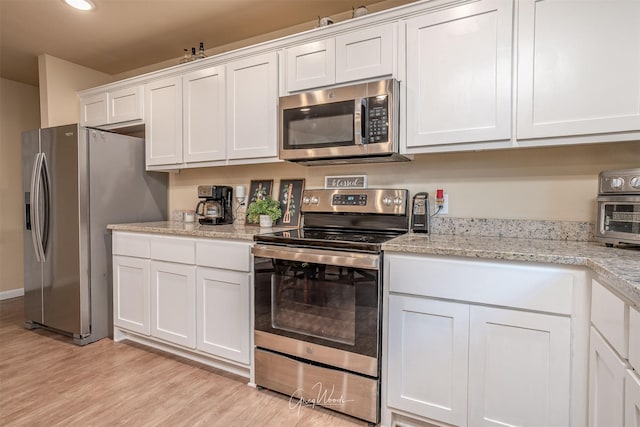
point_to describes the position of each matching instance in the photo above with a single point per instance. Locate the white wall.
(553, 183)
(19, 111)
(59, 82)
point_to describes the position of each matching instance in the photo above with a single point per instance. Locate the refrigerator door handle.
(34, 195)
(44, 237)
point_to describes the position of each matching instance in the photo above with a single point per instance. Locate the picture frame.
(345, 181)
(290, 196)
(260, 189)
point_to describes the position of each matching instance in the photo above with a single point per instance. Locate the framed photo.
(260, 189)
(290, 200)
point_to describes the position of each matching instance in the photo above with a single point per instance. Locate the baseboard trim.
(11, 293)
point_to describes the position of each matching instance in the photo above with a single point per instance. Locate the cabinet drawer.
(610, 315)
(634, 339)
(497, 283)
(131, 244)
(173, 249)
(224, 254)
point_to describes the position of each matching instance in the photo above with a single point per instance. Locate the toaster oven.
(618, 214)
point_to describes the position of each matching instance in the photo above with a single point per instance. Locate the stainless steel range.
(318, 300)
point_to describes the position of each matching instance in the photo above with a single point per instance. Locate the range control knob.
(387, 201)
(617, 183)
(398, 201)
(306, 200)
(635, 182)
(314, 200)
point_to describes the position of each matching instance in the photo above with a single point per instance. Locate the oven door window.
(325, 125)
(323, 304)
(622, 218)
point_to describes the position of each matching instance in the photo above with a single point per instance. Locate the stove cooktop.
(369, 241)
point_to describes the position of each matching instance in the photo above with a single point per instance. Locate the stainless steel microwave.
(351, 124)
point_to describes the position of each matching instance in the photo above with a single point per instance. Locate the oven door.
(320, 305)
(618, 219)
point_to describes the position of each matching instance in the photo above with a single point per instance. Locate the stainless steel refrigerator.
(77, 180)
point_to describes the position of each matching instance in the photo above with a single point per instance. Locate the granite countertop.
(194, 229)
(620, 267)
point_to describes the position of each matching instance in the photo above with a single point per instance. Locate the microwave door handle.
(360, 120)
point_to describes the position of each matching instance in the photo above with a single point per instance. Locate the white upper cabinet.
(93, 110)
(252, 107)
(311, 65)
(578, 67)
(356, 55)
(365, 53)
(458, 75)
(112, 107)
(126, 104)
(163, 122)
(203, 110)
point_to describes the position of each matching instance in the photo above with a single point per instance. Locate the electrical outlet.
(445, 205)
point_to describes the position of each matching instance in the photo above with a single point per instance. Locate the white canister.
(189, 216)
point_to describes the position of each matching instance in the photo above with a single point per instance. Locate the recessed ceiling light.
(81, 4)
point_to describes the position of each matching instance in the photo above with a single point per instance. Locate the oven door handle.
(319, 256)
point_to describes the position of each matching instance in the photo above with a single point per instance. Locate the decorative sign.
(290, 201)
(345, 181)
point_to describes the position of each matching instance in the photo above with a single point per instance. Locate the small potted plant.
(264, 211)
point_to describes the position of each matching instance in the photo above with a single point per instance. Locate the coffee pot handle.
(201, 202)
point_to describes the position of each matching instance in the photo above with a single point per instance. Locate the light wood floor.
(45, 380)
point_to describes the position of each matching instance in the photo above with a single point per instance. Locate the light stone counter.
(194, 229)
(620, 267)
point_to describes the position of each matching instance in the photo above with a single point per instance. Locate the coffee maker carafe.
(216, 206)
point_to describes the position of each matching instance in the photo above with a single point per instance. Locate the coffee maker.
(216, 206)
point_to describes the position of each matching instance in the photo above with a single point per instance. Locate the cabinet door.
(173, 302)
(634, 338)
(365, 54)
(252, 107)
(606, 384)
(578, 67)
(93, 110)
(428, 354)
(459, 75)
(204, 115)
(311, 65)
(224, 313)
(131, 294)
(163, 122)
(126, 104)
(632, 400)
(519, 368)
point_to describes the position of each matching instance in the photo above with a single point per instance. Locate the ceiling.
(122, 35)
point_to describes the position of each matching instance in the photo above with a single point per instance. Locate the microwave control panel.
(378, 119)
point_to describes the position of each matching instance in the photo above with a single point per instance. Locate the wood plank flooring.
(45, 380)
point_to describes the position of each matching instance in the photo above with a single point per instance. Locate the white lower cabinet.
(131, 293)
(614, 385)
(173, 302)
(429, 357)
(484, 343)
(187, 296)
(519, 368)
(606, 384)
(223, 313)
(632, 399)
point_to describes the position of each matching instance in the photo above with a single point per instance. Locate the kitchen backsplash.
(529, 229)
